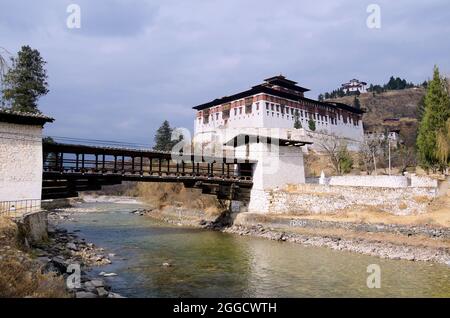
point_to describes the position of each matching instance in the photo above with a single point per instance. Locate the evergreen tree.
(312, 124)
(320, 97)
(436, 113)
(25, 81)
(297, 123)
(163, 137)
(345, 160)
(443, 145)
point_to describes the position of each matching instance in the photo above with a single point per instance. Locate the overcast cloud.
(135, 63)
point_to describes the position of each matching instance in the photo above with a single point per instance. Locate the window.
(217, 116)
(257, 106)
(278, 108)
(240, 110)
(272, 107)
(292, 111)
(235, 111)
(267, 106)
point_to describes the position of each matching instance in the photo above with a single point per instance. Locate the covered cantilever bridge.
(70, 168)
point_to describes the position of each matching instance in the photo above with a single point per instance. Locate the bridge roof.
(23, 118)
(116, 151)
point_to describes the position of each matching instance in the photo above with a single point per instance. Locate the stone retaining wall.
(314, 198)
(33, 226)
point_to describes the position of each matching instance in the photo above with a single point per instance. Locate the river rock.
(97, 283)
(60, 264)
(102, 292)
(114, 295)
(109, 274)
(71, 246)
(83, 294)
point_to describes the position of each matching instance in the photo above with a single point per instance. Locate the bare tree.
(3, 69)
(370, 152)
(336, 151)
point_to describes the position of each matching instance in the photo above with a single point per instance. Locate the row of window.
(280, 109)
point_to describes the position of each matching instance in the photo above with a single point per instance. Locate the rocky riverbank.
(64, 252)
(414, 243)
(379, 248)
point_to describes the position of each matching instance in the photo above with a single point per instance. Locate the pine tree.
(437, 112)
(163, 137)
(443, 145)
(297, 123)
(312, 125)
(25, 81)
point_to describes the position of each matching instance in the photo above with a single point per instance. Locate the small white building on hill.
(354, 86)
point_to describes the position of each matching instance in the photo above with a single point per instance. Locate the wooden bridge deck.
(69, 169)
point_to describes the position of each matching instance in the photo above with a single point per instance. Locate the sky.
(133, 64)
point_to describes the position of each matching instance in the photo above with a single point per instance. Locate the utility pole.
(389, 142)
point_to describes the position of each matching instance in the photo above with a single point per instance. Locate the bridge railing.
(87, 159)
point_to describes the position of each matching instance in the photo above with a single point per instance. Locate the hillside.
(401, 104)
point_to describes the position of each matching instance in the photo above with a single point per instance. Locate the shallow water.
(214, 264)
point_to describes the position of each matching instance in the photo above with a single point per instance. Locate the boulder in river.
(83, 294)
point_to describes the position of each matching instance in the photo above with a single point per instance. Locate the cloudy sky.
(134, 63)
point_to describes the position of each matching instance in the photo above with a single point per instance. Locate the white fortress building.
(258, 124)
(354, 86)
(274, 105)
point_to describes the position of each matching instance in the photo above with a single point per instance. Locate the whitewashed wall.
(423, 182)
(20, 162)
(317, 199)
(370, 181)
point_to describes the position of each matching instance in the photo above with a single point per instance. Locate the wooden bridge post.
(103, 163)
(77, 163)
(61, 162)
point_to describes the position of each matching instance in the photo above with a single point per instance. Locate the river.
(214, 264)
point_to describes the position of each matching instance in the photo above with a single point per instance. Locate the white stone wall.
(423, 182)
(317, 199)
(20, 162)
(370, 181)
(276, 166)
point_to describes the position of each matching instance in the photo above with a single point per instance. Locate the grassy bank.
(20, 274)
